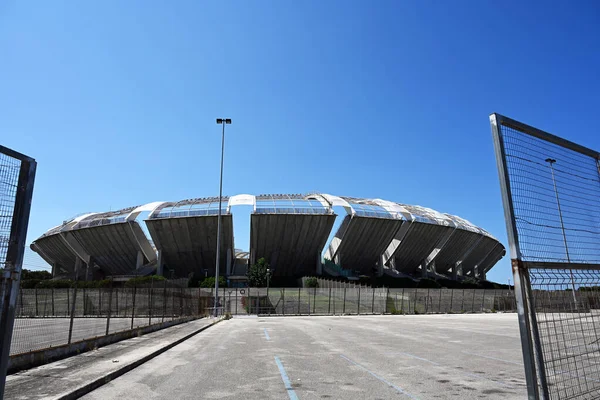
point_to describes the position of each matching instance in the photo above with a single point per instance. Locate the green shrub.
(145, 280)
(209, 282)
(258, 274)
(428, 283)
(27, 274)
(29, 283)
(311, 283)
(68, 283)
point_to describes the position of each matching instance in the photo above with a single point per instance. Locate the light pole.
(551, 161)
(223, 122)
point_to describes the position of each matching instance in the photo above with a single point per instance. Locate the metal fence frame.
(13, 262)
(532, 344)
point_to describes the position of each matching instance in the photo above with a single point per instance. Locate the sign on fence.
(551, 195)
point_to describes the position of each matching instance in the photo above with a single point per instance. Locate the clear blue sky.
(117, 100)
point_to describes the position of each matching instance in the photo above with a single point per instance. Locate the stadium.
(298, 235)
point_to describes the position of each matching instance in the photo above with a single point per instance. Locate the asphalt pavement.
(474, 356)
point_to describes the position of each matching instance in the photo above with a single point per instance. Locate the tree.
(258, 276)
(210, 282)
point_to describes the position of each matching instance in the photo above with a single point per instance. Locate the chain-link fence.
(53, 317)
(363, 300)
(17, 175)
(551, 195)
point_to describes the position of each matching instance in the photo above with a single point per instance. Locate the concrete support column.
(139, 260)
(229, 264)
(380, 265)
(159, 263)
(457, 270)
(54, 269)
(423, 269)
(338, 259)
(252, 259)
(87, 271)
(78, 263)
(319, 264)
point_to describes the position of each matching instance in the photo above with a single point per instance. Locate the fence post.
(329, 304)
(427, 300)
(110, 295)
(373, 302)
(199, 300)
(22, 305)
(344, 305)
(451, 298)
(402, 302)
(299, 302)
(416, 296)
(133, 305)
(336, 290)
(72, 311)
(181, 302)
(84, 303)
(358, 303)
(314, 299)
(283, 300)
(52, 294)
(268, 301)
(462, 305)
(236, 300)
(483, 301)
(165, 299)
(440, 302)
(99, 301)
(36, 302)
(473, 301)
(150, 302)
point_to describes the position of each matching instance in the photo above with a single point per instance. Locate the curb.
(95, 384)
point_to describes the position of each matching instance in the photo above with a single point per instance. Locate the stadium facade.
(179, 239)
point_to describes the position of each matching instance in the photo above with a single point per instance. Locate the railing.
(364, 300)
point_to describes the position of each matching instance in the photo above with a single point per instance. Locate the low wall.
(18, 362)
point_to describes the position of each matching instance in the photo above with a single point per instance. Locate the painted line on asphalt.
(286, 380)
(267, 334)
(460, 370)
(419, 358)
(493, 358)
(398, 388)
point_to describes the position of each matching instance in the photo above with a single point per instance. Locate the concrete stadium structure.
(373, 237)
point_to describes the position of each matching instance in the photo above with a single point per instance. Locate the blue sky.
(117, 100)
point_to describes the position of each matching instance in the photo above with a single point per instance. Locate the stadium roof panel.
(289, 204)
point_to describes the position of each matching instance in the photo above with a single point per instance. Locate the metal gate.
(17, 173)
(551, 195)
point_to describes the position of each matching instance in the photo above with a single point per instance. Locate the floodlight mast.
(222, 122)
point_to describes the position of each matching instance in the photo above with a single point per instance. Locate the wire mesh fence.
(365, 300)
(17, 176)
(568, 323)
(53, 317)
(551, 196)
(9, 180)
